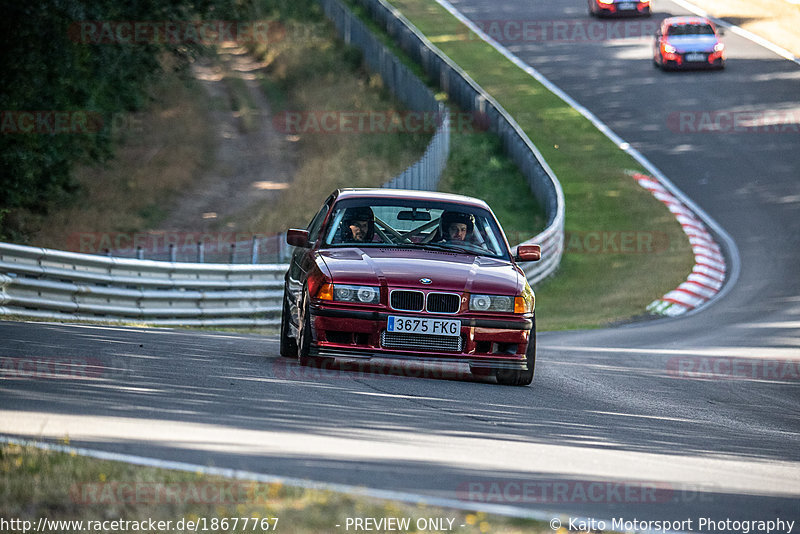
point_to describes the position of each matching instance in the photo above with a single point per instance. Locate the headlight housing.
(496, 303)
(502, 303)
(356, 294)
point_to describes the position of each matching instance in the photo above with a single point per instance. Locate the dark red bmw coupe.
(387, 273)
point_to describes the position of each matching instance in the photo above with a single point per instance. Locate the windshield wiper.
(448, 248)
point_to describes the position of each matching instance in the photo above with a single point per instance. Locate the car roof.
(385, 193)
(686, 19)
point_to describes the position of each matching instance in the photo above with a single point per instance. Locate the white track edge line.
(733, 251)
(358, 491)
(239, 474)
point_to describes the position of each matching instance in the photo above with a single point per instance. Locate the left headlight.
(523, 303)
(496, 303)
(358, 294)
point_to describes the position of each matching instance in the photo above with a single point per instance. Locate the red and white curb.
(708, 273)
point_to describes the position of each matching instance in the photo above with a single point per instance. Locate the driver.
(457, 225)
(358, 224)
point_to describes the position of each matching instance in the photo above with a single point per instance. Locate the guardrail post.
(233, 252)
(172, 253)
(200, 252)
(139, 253)
(254, 255)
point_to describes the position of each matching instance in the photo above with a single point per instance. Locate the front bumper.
(679, 60)
(487, 343)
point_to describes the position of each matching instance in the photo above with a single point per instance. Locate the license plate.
(695, 57)
(424, 325)
(627, 6)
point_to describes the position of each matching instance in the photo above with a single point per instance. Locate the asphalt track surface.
(617, 423)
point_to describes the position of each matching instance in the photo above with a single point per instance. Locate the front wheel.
(305, 338)
(288, 348)
(510, 377)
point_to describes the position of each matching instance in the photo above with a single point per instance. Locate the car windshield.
(690, 29)
(411, 223)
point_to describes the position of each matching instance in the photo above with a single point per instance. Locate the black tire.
(288, 348)
(510, 377)
(305, 339)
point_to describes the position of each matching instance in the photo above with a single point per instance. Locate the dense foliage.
(69, 67)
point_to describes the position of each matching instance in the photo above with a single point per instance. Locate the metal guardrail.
(42, 283)
(469, 96)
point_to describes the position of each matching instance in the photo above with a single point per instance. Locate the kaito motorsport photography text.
(700, 524)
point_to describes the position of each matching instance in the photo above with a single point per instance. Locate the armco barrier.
(37, 282)
(472, 98)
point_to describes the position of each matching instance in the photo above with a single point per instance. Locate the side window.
(316, 222)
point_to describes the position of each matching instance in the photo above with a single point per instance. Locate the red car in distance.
(619, 8)
(688, 43)
(421, 276)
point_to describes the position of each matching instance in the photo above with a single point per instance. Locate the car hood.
(447, 271)
(694, 43)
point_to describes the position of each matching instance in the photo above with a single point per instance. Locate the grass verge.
(65, 487)
(595, 286)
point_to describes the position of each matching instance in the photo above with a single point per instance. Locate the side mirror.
(297, 237)
(528, 253)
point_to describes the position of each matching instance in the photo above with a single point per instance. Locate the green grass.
(64, 486)
(477, 167)
(590, 289)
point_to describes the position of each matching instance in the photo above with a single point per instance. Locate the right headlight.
(359, 294)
